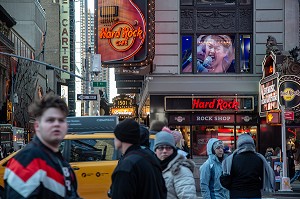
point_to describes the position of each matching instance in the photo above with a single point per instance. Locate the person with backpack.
(211, 171)
(138, 173)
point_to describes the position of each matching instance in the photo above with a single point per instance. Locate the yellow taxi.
(93, 159)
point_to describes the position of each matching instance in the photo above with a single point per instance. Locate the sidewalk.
(278, 194)
(294, 193)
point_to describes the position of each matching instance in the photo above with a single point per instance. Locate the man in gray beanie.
(138, 173)
(177, 170)
(245, 172)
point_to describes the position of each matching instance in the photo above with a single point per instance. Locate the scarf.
(165, 162)
(269, 178)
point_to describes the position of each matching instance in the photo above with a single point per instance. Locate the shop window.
(227, 133)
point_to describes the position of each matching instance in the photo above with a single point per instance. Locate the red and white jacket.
(38, 172)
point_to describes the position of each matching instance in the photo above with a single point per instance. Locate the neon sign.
(121, 36)
(220, 104)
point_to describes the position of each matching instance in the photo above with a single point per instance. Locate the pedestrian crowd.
(40, 171)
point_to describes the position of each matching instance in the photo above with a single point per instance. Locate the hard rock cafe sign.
(289, 92)
(122, 35)
(121, 29)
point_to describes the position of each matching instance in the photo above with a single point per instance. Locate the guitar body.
(121, 30)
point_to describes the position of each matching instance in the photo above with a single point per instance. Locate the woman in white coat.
(177, 170)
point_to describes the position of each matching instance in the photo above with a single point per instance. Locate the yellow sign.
(123, 111)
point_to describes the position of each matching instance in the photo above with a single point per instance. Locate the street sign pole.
(285, 181)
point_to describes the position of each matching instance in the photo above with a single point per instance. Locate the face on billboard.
(215, 54)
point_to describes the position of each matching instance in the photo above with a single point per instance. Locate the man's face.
(163, 151)
(219, 151)
(216, 51)
(118, 144)
(51, 127)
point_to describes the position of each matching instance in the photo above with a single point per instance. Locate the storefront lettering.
(213, 118)
(215, 104)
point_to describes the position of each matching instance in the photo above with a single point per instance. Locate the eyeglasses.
(161, 148)
(220, 147)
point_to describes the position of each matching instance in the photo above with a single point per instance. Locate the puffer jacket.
(179, 178)
(210, 173)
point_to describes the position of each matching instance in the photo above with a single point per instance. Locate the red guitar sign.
(121, 29)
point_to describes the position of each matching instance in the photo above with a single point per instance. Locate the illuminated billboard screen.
(215, 54)
(122, 34)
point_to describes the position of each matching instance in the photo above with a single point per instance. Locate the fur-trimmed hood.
(180, 160)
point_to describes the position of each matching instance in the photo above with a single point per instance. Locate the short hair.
(50, 100)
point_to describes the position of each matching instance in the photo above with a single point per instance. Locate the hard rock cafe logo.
(289, 94)
(121, 35)
(179, 119)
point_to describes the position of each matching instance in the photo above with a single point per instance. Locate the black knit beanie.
(128, 131)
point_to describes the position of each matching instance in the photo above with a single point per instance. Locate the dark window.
(187, 58)
(92, 150)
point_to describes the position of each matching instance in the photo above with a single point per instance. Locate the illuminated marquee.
(268, 91)
(123, 107)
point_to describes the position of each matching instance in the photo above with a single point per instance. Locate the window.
(92, 150)
(187, 58)
(215, 54)
(216, 39)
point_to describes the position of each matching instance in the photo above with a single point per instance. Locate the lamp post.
(86, 58)
(285, 181)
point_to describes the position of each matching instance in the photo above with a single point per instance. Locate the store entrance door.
(227, 133)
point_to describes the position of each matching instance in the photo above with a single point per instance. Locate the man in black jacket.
(247, 173)
(138, 173)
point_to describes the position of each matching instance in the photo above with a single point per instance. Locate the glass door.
(227, 133)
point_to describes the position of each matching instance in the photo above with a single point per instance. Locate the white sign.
(65, 37)
(86, 96)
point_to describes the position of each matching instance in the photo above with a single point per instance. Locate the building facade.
(208, 60)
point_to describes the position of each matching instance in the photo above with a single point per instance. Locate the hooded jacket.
(210, 173)
(179, 178)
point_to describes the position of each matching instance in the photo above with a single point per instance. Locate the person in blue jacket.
(211, 171)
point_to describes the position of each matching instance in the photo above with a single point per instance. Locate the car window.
(83, 150)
